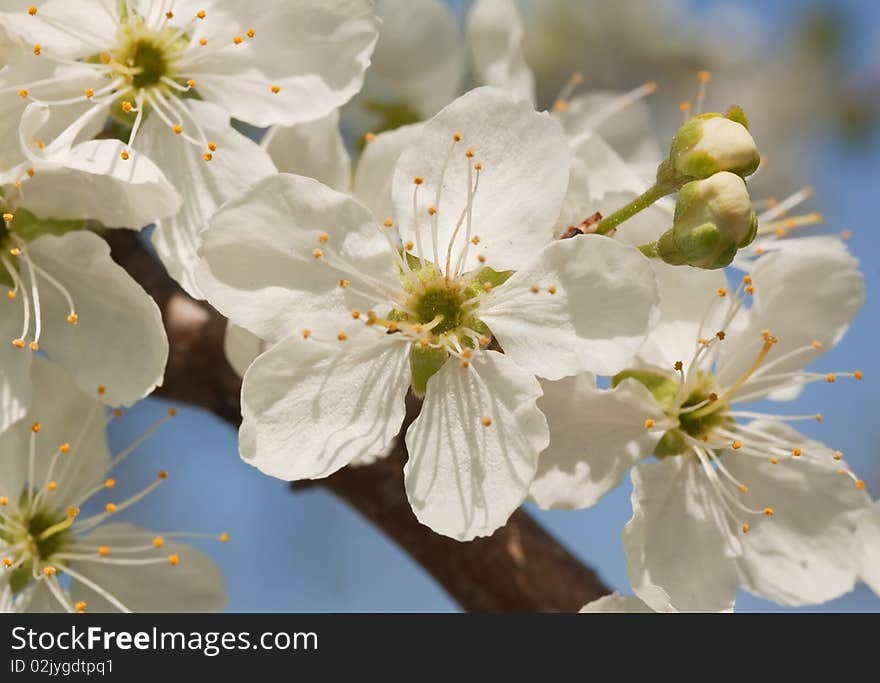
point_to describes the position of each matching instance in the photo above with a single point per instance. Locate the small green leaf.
(424, 363)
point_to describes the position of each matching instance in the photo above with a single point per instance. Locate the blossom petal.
(803, 554)
(236, 164)
(495, 35)
(195, 584)
(66, 416)
(679, 547)
(867, 541)
(616, 604)
(796, 310)
(314, 149)
(375, 168)
(595, 303)
(314, 52)
(269, 280)
(241, 347)
(97, 21)
(15, 389)
(525, 162)
(310, 407)
(118, 321)
(596, 435)
(473, 450)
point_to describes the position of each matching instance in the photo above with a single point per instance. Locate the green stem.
(640, 203)
(650, 250)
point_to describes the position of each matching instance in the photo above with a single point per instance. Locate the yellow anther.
(32, 10)
(200, 14)
(212, 146)
(173, 560)
(769, 512)
(30, 172)
(736, 445)
(858, 375)
(49, 571)
(745, 528)
(275, 89)
(102, 390)
(89, 93)
(830, 378)
(388, 223)
(4, 501)
(251, 33)
(774, 461)
(110, 483)
(110, 508)
(560, 105)
(743, 488)
(678, 366)
(432, 210)
(837, 455)
(344, 283)
(409, 246)
(23, 93)
(846, 234)
(52, 486)
(424, 343)
(8, 218)
(487, 287)
(323, 238)
(11, 295)
(34, 346)
(369, 137)
(342, 336)
(819, 417)
(750, 290)
(465, 364)
(481, 258)
(418, 180)
(860, 484)
(721, 291)
(190, 83)
(224, 537)
(207, 156)
(487, 421)
(7, 562)
(684, 106)
(172, 412)
(80, 607)
(649, 423)
(177, 128)
(552, 289)
(237, 40)
(355, 314)
(780, 232)
(203, 41)
(392, 326)
(72, 512)
(456, 136)
(158, 542)
(475, 240)
(124, 155)
(118, 412)
(703, 76)
(817, 345)
(535, 289)
(796, 452)
(317, 253)
(18, 343)
(162, 475)
(126, 106)
(37, 49)
(759, 250)
(105, 57)
(478, 166)
(36, 427)
(103, 551)
(467, 353)
(306, 334)
(469, 153)
(484, 341)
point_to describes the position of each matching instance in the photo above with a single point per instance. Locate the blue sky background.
(309, 552)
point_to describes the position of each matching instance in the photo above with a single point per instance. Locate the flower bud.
(713, 218)
(710, 143)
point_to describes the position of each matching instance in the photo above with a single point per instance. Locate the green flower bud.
(713, 218)
(710, 143)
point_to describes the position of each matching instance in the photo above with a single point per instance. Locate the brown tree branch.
(520, 568)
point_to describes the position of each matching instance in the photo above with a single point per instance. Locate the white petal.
(92, 25)
(236, 164)
(241, 347)
(616, 604)
(525, 160)
(688, 299)
(679, 547)
(596, 435)
(375, 168)
(66, 415)
(268, 280)
(803, 554)
(15, 390)
(314, 149)
(464, 479)
(419, 59)
(495, 35)
(310, 407)
(195, 584)
(603, 306)
(96, 183)
(315, 51)
(119, 341)
(801, 296)
(867, 546)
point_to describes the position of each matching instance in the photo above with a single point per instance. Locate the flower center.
(150, 64)
(36, 536)
(443, 300)
(144, 56)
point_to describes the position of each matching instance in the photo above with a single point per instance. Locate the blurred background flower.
(806, 71)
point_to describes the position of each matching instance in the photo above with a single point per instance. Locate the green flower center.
(444, 300)
(149, 62)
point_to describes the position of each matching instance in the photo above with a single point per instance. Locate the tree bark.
(520, 568)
